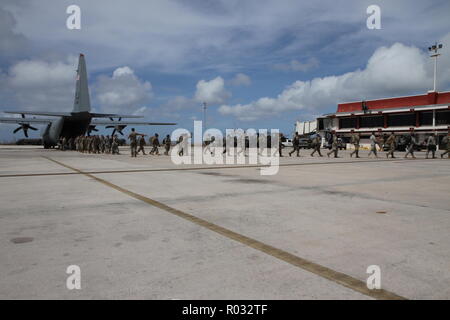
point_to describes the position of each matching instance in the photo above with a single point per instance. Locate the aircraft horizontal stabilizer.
(42, 113)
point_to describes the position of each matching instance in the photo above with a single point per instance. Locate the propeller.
(90, 129)
(24, 126)
(117, 128)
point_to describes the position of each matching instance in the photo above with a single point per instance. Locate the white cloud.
(12, 43)
(212, 92)
(122, 71)
(390, 71)
(295, 65)
(32, 73)
(50, 86)
(37, 84)
(123, 92)
(241, 79)
(180, 34)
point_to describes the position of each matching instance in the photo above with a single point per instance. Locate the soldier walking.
(240, 143)
(411, 145)
(280, 144)
(182, 141)
(155, 144)
(107, 145)
(431, 146)
(446, 141)
(316, 143)
(392, 144)
(63, 143)
(133, 141)
(102, 144)
(334, 146)
(355, 138)
(70, 144)
(115, 145)
(141, 145)
(296, 145)
(209, 144)
(166, 142)
(373, 145)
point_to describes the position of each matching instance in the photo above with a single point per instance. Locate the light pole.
(434, 48)
(204, 115)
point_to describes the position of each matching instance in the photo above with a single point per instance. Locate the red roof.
(411, 101)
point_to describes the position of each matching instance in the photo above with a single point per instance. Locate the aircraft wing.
(41, 113)
(68, 114)
(25, 120)
(129, 123)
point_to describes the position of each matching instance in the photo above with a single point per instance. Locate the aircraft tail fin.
(82, 102)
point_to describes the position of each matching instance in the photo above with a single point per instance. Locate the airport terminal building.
(422, 114)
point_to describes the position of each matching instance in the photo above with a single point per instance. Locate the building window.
(345, 123)
(442, 117)
(371, 122)
(402, 120)
(320, 124)
(426, 118)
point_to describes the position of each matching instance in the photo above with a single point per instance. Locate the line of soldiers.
(97, 144)
(110, 144)
(137, 145)
(315, 144)
(390, 142)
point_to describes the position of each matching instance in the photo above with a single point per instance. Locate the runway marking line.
(317, 269)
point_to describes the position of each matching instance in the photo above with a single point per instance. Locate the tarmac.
(145, 228)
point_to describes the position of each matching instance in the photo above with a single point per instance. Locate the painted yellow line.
(322, 271)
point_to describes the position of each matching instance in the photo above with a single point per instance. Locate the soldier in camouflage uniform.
(392, 143)
(446, 141)
(296, 145)
(108, 141)
(167, 143)
(355, 138)
(316, 143)
(141, 145)
(431, 146)
(334, 146)
(412, 142)
(155, 144)
(115, 145)
(133, 141)
(373, 145)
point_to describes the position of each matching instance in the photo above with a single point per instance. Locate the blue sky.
(257, 64)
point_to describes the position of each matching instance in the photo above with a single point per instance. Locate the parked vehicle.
(342, 145)
(287, 142)
(305, 143)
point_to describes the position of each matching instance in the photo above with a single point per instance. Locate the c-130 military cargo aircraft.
(72, 124)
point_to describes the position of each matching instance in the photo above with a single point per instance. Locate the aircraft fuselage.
(66, 127)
